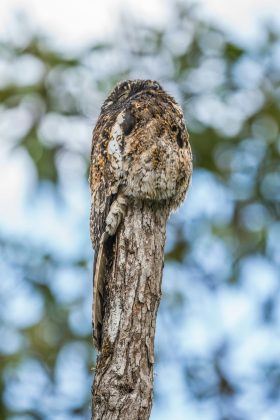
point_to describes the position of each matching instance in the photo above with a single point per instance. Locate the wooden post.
(123, 385)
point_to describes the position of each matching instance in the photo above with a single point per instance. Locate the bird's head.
(146, 141)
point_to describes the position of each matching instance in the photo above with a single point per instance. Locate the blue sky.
(71, 22)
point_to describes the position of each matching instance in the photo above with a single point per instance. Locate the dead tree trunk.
(123, 384)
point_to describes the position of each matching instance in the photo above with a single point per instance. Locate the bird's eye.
(128, 123)
(179, 139)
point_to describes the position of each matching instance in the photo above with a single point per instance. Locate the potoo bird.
(140, 151)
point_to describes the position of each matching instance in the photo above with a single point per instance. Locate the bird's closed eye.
(179, 137)
(128, 123)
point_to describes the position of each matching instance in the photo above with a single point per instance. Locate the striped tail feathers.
(99, 273)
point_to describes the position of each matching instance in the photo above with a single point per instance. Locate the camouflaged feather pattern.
(140, 151)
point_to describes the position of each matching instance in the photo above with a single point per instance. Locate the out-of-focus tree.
(223, 246)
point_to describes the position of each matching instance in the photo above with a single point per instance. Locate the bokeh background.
(218, 338)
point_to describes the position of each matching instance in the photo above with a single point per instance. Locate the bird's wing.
(105, 180)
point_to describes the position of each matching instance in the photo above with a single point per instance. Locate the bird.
(140, 151)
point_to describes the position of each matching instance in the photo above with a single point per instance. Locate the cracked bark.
(123, 384)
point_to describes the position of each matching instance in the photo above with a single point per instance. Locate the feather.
(98, 294)
(100, 209)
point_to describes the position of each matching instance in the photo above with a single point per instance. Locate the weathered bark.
(123, 384)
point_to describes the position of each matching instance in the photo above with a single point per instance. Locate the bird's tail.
(98, 295)
(101, 268)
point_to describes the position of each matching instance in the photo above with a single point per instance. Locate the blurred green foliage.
(231, 98)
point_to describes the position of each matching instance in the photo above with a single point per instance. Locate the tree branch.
(123, 384)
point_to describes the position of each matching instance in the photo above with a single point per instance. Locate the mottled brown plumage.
(140, 151)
